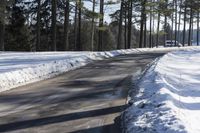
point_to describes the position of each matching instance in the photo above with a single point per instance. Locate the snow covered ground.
(168, 100)
(21, 68)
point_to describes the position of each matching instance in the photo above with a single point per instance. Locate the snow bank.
(168, 100)
(20, 68)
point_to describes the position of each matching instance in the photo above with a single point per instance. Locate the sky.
(108, 9)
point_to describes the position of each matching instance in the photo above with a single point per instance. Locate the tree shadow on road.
(59, 119)
(111, 128)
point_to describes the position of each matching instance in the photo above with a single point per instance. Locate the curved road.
(86, 100)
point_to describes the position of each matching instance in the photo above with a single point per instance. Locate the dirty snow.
(168, 100)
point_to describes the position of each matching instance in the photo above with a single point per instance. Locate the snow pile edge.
(143, 114)
(51, 69)
(42, 71)
(167, 97)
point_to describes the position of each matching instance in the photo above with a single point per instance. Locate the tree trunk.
(66, 26)
(165, 28)
(172, 31)
(79, 45)
(184, 25)
(158, 29)
(141, 32)
(145, 32)
(125, 26)
(75, 26)
(93, 28)
(119, 41)
(176, 17)
(38, 26)
(100, 46)
(198, 28)
(165, 23)
(2, 32)
(48, 47)
(143, 3)
(130, 9)
(153, 26)
(150, 28)
(190, 27)
(179, 23)
(192, 31)
(54, 7)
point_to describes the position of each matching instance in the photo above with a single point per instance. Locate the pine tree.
(18, 36)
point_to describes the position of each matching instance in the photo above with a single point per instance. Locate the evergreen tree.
(4, 14)
(18, 33)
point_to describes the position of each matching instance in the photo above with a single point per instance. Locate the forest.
(71, 25)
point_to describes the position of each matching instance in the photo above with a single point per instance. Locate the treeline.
(63, 25)
(168, 20)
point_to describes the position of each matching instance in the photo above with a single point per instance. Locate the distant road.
(86, 100)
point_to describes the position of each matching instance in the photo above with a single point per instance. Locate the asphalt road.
(86, 100)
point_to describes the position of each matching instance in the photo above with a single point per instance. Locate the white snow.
(168, 100)
(21, 68)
